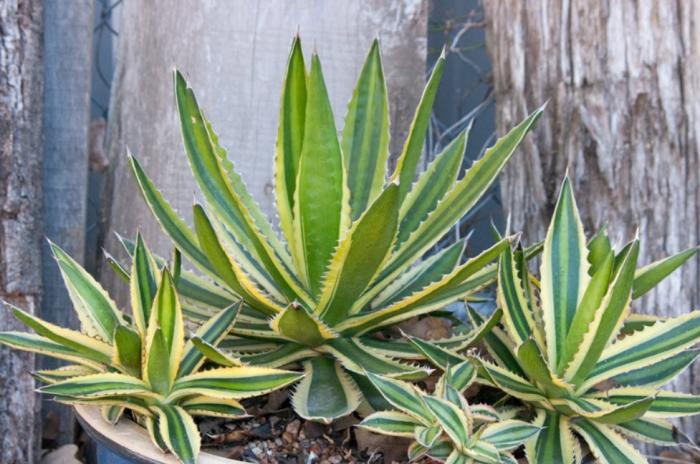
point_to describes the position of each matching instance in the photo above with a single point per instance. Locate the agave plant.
(590, 368)
(443, 425)
(142, 364)
(349, 260)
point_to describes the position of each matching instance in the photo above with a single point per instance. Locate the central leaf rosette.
(348, 263)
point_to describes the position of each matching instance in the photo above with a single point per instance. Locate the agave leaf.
(157, 371)
(144, 285)
(452, 419)
(403, 396)
(290, 136)
(179, 432)
(99, 386)
(174, 226)
(365, 140)
(564, 272)
(509, 434)
(460, 199)
(533, 363)
(666, 404)
(212, 332)
(607, 321)
(598, 249)
(649, 276)
(97, 312)
(224, 193)
(321, 208)
(459, 376)
(391, 423)
(127, 351)
(214, 354)
(62, 373)
(214, 252)
(428, 436)
(511, 383)
(646, 347)
(636, 322)
(421, 275)
(279, 356)
(190, 286)
(133, 403)
(498, 345)
(426, 299)
(586, 312)
(554, 443)
(326, 392)
(166, 316)
(606, 413)
(112, 414)
(359, 257)
(656, 431)
(41, 345)
(437, 355)
(213, 407)
(659, 373)
(87, 347)
(233, 382)
(518, 316)
(357, 358)
(608, 446)
(407, 162)
(441, 450)
(295, 323)
(229, 260)
(154, 433)
(432, 185)
(250, 210)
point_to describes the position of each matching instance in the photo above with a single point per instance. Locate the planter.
(128, 443)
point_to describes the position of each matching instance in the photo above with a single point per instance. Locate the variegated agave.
(590, 368)
(444, 426)
(142, 364)
(350, 234)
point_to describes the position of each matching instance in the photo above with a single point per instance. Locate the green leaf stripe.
(662, 340)
(453, 421)
(213, 331)
(390, 423)
(233, 382)
(365, 140)
(403, 396)
(179, 432)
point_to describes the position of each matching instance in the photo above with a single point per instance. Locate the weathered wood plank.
(66, 118)
(20, 216)
(623, 80)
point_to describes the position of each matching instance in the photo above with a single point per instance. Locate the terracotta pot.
(128, 443)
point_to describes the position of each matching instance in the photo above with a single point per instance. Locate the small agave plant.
(572, 349)
(142, 364)
(443, 425)
(349, 260)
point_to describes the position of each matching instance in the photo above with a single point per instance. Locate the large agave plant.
(349, 260)
(443, 425)
(573, 350)
(142, 364)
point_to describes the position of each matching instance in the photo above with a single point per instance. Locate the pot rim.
(129, 439)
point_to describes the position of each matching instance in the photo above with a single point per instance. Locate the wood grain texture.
(20, 216)
(66, 119)
(234, 55)
(623, 80)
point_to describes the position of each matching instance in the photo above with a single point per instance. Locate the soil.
(275, 435)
